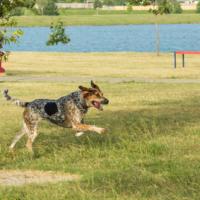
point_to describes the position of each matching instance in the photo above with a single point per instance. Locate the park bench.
(2, 70)
(183, 56)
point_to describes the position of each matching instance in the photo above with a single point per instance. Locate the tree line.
(48, 7)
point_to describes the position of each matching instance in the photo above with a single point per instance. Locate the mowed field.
(101, 66)
(109, 19)
(151, 150)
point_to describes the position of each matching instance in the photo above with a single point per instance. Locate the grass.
(100, 12)
(109, 12)
(108, 19)
(150, 151)
(103, 65)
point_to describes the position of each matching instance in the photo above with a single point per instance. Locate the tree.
(163, 7)
(29, 3)
(41, 4)
(57, 34)
(129, 7)
(50, 8)
(134, 2)
(97, 4)
(176, 7)
(198, 7)
(8, 36)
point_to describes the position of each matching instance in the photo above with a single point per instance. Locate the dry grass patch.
(79, 66)
(18, 177)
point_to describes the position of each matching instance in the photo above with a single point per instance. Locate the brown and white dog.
(67, 111)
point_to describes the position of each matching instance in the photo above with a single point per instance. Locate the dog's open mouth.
(97, 105)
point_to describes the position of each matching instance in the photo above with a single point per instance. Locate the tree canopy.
(8, 36)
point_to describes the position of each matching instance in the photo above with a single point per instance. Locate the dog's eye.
(98, 95)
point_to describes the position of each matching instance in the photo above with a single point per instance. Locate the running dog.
(67, 111)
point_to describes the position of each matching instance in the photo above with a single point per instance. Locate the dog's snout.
(105, 101)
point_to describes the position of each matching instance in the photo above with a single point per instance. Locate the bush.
(50, 8)
(36, 11)
(97, 4)
(177, 7)
(168, 6)
(129, 7)
(134, 2)
(146, 2)
(17, 11)
(57, 34)
(198, 7)
(108, 2)
(29, 12)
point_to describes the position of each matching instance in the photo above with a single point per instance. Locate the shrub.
(97, 4)
(57, 34)
(50, 8)
(17, 11)
(146, 2)
(108, 2)
(29, 12)
(177, 7)
(198, 7)
(167, 7)
(129, 7)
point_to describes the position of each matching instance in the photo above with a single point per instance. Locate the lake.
(139, 38)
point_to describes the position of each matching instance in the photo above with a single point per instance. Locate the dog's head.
(94, 96)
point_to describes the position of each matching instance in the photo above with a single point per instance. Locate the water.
(140, 38)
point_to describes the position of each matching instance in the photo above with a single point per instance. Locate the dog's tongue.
(97, 104)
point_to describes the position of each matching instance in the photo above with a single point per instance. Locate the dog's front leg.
(84, 127)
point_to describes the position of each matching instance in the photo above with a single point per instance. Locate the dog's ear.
(82, 88)
(94, 85)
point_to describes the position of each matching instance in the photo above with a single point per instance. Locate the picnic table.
(183, 56)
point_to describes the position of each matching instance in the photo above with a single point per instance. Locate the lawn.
(108, 19)
(152, 145)
(102, 66)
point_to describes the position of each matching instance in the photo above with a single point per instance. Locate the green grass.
(109, 12)
(100, 12)
(151, 149)
(111, 19)
(152, 146)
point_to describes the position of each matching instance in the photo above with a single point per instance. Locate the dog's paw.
(79, 134)
(11, 150)
(100, 130)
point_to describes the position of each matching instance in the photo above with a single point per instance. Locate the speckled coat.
(67, 111)
(62, 111)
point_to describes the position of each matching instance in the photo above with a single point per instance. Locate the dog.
(67, 111)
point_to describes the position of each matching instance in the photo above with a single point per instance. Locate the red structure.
(2, 70)
(183, 56)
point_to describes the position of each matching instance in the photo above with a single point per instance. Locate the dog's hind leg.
(16, 139)
(31, 120)
(32, 134)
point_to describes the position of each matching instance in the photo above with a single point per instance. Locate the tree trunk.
(157, 39)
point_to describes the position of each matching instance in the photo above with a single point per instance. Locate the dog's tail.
(14, 100)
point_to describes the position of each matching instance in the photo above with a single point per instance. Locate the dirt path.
(21, 177)
(87, 79)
